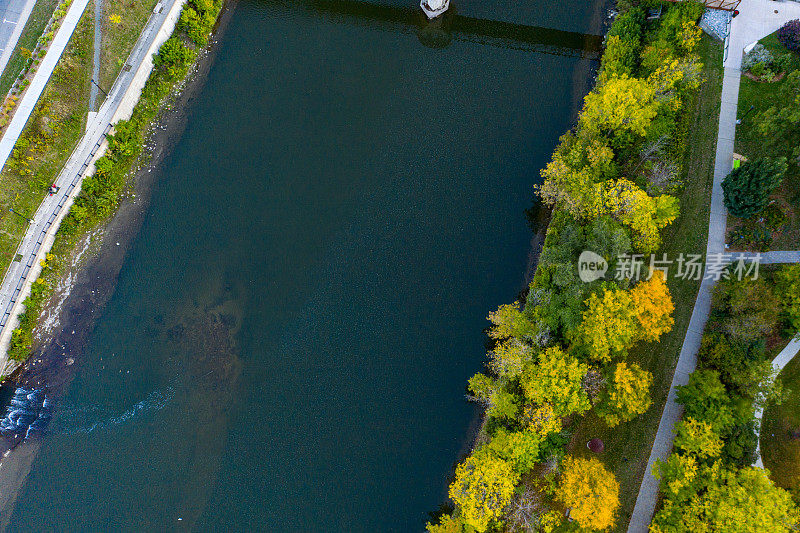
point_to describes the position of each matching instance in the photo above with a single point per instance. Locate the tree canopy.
(483, 487)
(627, 396)
(556, 381)
(590, 491)
(747, 188)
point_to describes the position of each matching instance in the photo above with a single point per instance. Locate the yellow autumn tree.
(541, 419)
(608, 327)
(678, 475)
(579, 162)
(627, 395)
(557, 380)
(633, 207)
(590, 491)
(509, 321)
(653, 305)
(510, 357)
(621, 104)
(483, 487)
(697, 437)
(446, 524)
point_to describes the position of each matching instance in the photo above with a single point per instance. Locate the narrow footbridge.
(452, 26)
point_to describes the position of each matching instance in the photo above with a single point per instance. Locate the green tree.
(728, 501)
(787, 283)
(556, 380)
(747, 188)
(746, 310)
(697, 438)
(483, 487)
(705, 399)
(491, 393)
(627, 396)
(779, 125)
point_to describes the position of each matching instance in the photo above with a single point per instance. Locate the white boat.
(434, 8)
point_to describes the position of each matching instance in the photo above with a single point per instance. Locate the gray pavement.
(119, 103)
(15, 15)
(757, 19)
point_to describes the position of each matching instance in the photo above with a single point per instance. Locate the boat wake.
(74, 421)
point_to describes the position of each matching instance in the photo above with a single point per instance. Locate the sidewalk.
(756, 20)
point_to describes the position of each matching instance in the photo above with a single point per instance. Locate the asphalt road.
(15, 14)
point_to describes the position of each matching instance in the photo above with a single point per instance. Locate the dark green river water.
(290, 337)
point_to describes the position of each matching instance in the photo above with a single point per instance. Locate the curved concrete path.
(780, 361)
(757, 19)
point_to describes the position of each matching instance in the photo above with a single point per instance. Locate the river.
(288, 341)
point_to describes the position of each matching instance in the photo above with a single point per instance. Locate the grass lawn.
(118, 38)
(751, 144)
(56, 125)
(41, 13)
(627, 447)
(780, 450)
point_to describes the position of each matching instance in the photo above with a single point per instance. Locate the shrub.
(759, 54)
(748, 187)
(745, 310)
(752, 234)
(194, 26)
(173, 57)
(761, 70)
(774, 217)
(789, 35)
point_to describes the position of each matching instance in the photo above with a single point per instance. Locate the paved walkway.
(15, 15)
(780, 361)
(40, 234)
(757, 19)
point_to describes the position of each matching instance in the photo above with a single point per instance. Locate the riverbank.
(101, 192)
(561, 326)
(68, 316)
